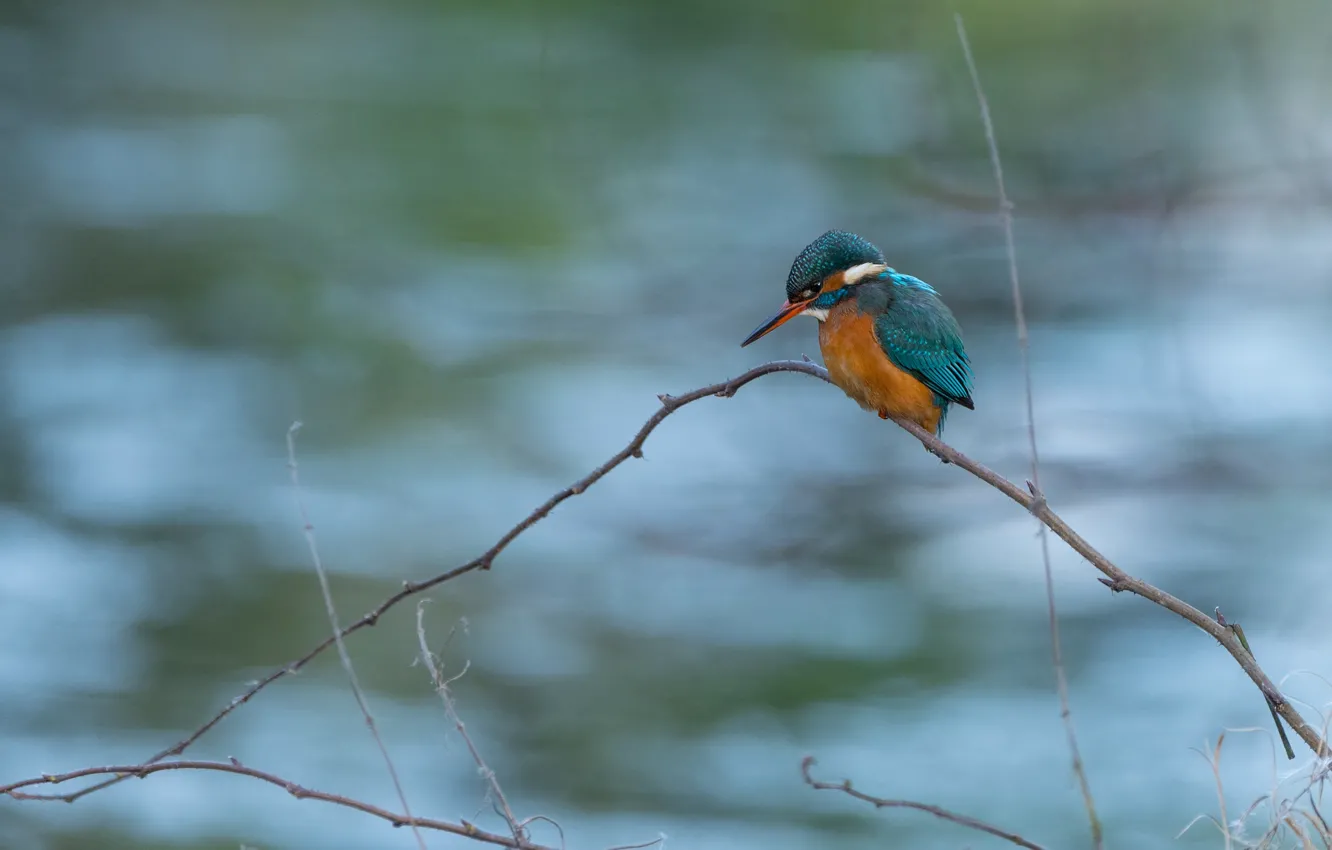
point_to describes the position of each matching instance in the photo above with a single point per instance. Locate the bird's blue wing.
(921, 337)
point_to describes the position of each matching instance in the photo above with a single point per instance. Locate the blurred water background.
(467, 243)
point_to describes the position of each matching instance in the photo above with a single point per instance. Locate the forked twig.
(442, 688)
(883, 803)
(300, 792)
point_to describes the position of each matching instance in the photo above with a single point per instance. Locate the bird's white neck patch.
(819, 314)
(857, 273)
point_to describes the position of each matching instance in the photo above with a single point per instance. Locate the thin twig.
(1320, 828)
(300, 792)
(1299, 833)
(1215, 761)
(882, 803)
(1323, 828)
(1020, 319)
(308, 528)
(558, 829)
(442, 688)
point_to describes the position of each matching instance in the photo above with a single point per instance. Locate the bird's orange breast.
(856, 363)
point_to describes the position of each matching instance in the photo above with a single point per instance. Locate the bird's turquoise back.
(920, 335)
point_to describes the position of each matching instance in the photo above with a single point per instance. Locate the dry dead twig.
(519, 830)
(846, 788)
(1020, 321)
(307, 529)
(300, 792)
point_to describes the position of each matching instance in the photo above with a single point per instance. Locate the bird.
(887, 338)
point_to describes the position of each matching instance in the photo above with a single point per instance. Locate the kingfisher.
(887, 338)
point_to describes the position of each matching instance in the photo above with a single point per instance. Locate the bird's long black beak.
(789, 311)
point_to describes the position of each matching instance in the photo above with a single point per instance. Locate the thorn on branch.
(1038, 504)
(1116, 585)
(637, 453)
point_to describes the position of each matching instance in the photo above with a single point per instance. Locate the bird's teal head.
(820, 274)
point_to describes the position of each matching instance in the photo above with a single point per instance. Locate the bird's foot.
(883, 414)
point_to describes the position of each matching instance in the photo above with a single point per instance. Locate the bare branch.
(300, 792)
(882, 803)
(308, 528)
(1119, 581)
(442, 688)
(1114, 578)
(1020, 319)
(669, 404)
